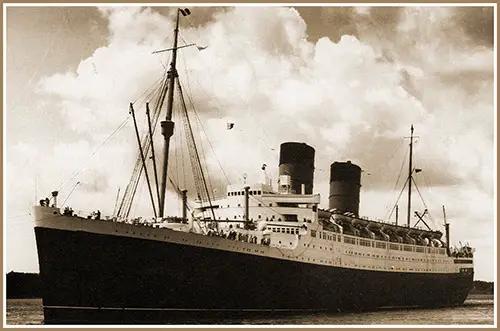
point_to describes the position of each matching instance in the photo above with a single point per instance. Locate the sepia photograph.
(249, 164)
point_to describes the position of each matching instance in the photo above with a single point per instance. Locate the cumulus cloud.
(351, 94)
(337, 96)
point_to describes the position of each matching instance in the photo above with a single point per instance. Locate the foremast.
(167, 126)
(167, 129)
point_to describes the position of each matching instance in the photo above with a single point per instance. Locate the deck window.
(348, 240)
(407, 248)
(364, 242)
(394, 247)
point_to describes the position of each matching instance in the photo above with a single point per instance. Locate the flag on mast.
(185, 12)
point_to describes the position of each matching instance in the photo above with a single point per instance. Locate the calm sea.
(478, 309)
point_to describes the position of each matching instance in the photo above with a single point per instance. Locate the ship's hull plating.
(91, 277)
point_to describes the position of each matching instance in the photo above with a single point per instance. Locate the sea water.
(477, 309)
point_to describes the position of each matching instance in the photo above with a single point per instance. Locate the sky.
(349, 81)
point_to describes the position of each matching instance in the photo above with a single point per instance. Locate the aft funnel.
(345, 183)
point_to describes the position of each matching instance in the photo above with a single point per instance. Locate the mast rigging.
(152, 151)
(199, 177)
(143, 158)
(131, 188)
(167, 126)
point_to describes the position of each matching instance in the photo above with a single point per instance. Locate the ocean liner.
(256, 249)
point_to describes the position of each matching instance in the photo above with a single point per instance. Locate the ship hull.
(101, 278)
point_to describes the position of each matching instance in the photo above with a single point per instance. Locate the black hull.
(90, 277)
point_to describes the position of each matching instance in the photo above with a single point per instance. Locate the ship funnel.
(345, 183)
(296, 168)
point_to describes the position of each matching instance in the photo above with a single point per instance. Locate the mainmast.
(167, 126)
(410, 177)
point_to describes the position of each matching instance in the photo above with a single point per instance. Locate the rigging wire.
(138, 201)
(192, 26)
(219, 106)
(153, 156)
(74, 187)
(206, 135)
(384, 165)
(420, 195)
(423, 201)
(428, 187)
(39, 66)
(131, 188)
(194, 155)
(150, 91)
(111, 136)
(176, 146)
(144, 159)
(399, 196)
(240, 198)
(178, 191)
(426, 182)
(183, 161)
(400, 171)
(389, 213)
(203, 161)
